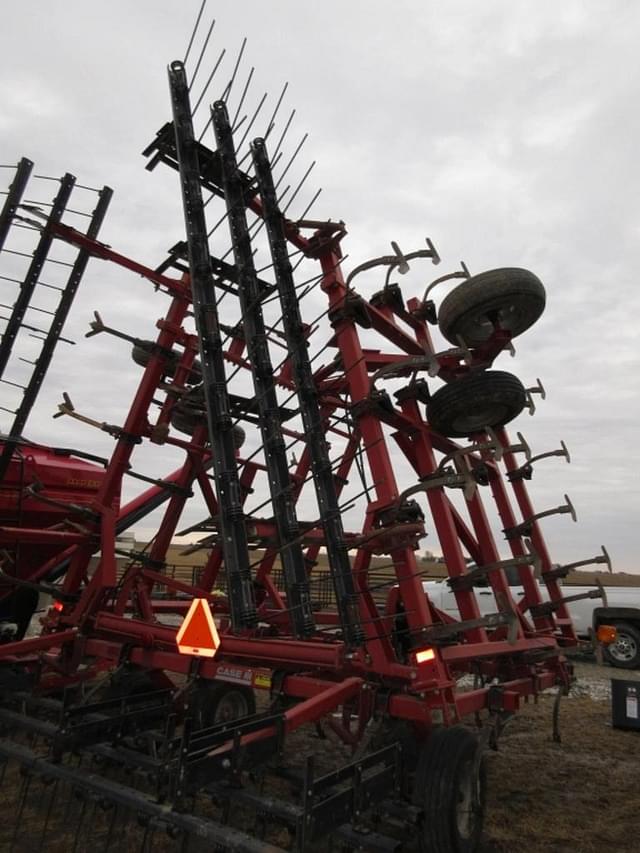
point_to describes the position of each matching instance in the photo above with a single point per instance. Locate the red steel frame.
(111, 619)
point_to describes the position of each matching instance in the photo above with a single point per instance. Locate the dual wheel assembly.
(510, 300)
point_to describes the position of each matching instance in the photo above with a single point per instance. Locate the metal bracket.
(525, 527)
(468, 580)
(493, 620)
(546, 608)
(538, 388)
(563, 571)
(525, 472)
(398, 260)
(67, 408)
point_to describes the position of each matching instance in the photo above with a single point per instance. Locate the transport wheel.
(512, 298)
(478, 400)
(141, 353)
(212, 703)
(625, 652)
(450, 787)
(186, 418)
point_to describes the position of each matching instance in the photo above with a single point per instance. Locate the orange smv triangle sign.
(198, 634)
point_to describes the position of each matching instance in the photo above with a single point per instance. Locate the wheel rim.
(467, 803)
(230, 707)
(508, 316)
(625, 649)
(481, 418)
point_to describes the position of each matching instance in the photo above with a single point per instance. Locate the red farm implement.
(314, 456)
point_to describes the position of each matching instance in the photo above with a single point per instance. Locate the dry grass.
(579, 796)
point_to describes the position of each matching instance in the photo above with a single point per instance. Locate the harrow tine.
(283, 135)
(49, 812)
(229, 86)
(204, 91)
(272, 120)
(304, 213)
(23, 794)
(299, 187)
(203, 49)
(194, 31)
(255, 115)
(291, 160)
(242, 98)
(80, 823)
(110, 830)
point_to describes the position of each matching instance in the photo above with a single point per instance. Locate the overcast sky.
(508, 133)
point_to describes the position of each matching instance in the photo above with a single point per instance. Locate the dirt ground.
(578, 796)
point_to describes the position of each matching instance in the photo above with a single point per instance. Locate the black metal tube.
(234, 535)
(321, 467)
(16, 191)
(53, 335)
(255, 332)
(35, 267)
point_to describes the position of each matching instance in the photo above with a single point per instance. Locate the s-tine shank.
(331, 518)
(232, 527)
(250, 293)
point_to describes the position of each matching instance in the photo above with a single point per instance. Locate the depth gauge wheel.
(212, 703)
(450, 787)
(141, 353)
(512, 298)
(479, 400)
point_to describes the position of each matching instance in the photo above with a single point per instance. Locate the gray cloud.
(506, 133)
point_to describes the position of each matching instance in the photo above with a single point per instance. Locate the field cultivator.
(307, 451)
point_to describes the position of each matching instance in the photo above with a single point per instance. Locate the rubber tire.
(445, 762)
(186, 420)
(210, 703)
(513, 296)
(141, 356)
(631, 634)
(491, 398)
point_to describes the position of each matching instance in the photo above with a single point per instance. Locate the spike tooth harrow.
(393, 662)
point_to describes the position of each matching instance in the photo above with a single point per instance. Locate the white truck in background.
(619, 607)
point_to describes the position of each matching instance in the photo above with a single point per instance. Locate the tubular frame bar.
(249, 293)
(16, 191)
(55, 330)
(293, 326)
(234, 534)
(33, 273)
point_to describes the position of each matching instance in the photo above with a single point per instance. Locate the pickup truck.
(620, 607)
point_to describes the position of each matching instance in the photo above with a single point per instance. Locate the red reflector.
(425, 655)
(58, 605)
(198, 634)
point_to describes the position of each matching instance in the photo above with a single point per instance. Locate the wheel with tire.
(510, 298)
(212, 703)
(625, 651)
(450, 787)
(141, 353)
(479, 400)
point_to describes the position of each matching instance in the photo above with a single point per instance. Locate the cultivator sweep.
(118, 740)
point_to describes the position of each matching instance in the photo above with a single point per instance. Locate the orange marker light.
(425, 655)
(198, 634)
(607, 634)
